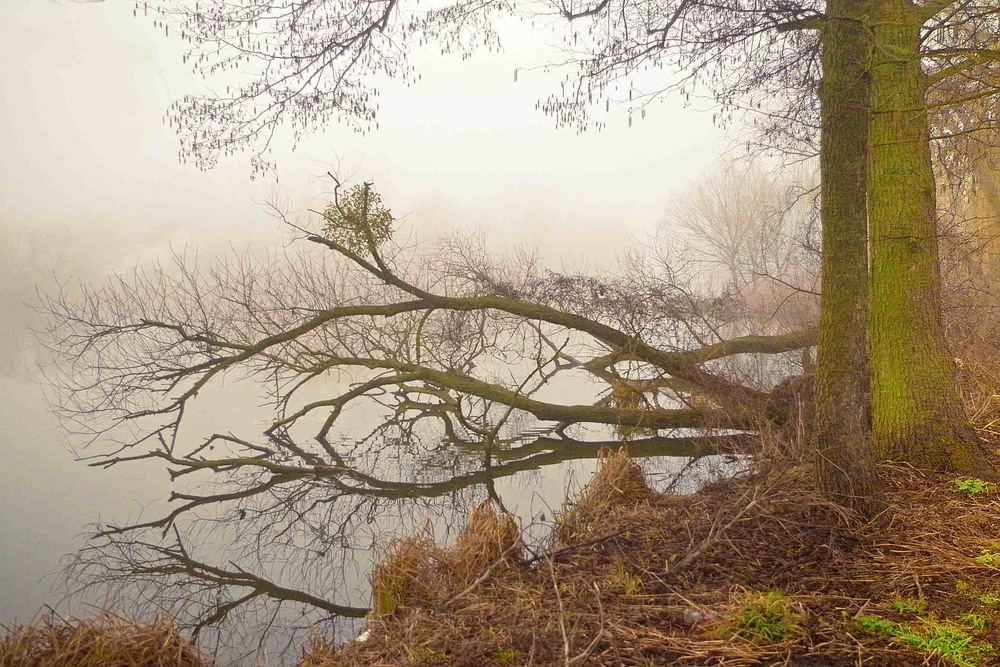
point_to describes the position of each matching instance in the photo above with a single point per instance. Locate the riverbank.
(754, 571)
(757, 571)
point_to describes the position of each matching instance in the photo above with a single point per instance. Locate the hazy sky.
(86, 87)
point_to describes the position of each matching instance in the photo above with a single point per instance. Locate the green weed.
(624, 581)
(974, 621)
(971, 486)
(989, 558)
(763, 618)
(932, 637)
(422, 656)
(507, 655)
(989, 598)
(907, 605)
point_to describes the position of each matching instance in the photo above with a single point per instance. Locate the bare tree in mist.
(313, 62)
(306, 64)
(755, 236)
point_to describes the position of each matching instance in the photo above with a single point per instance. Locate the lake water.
(308, 540)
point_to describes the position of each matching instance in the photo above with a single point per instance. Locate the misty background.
(90, 184)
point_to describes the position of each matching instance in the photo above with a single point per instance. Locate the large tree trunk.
(842, 439)
(917, 415)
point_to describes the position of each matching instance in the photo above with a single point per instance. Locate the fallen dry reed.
(106, 640)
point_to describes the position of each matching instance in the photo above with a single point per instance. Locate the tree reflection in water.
(471, 363)
(280, 539)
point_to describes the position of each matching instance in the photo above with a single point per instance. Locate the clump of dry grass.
(414, 571)
(318, 652)
(103, 641)
(619, 484)
(405, 575)
(490, 537)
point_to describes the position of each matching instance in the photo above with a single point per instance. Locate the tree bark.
(917, 414)
(844, 463)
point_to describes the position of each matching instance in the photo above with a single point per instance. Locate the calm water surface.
(308, 541)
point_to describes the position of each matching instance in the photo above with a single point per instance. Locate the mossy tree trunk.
(917, 415)
(844, 463)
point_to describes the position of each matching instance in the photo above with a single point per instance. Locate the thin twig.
(597, 638)
(562, 610)
(714, 535)
(485, 575)
(576, 547)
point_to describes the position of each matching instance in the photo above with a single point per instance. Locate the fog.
(90, 184)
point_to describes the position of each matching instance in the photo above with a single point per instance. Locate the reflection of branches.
(308, 519)
(343, 480)
(176, 560)
(445, 343)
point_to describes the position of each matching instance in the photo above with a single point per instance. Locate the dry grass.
(490, 537)
(103, 641)
(618, 485)
(757, 571)
(404, 575)
(415, 572)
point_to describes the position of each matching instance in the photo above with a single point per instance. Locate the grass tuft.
(404, 575)
(414, 571)
(624, 581)
(106, 640)
(972, 486)
(932, 637)
(762, 618)
(907, 605)
(618, 484)
(989, 558)
(989, 598)
(490, 536)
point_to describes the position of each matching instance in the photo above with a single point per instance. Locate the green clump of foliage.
(956, 643)
(989, 598)
(358, 221)
(907, 605)
(763, 618)
(989, 558)
(507, 655)
(971, 486)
